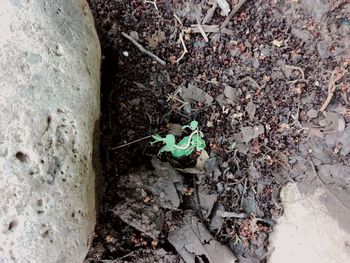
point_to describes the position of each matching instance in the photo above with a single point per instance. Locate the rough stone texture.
(49, 105)
(309, 231)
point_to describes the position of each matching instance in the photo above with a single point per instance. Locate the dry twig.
(129, 143)
(201, 30)
(250, 80)
(183, 46)
(301, 72)
(153, 3)
(337, 74)
(297, 68)
(181, 39)
(206, 28)
(143, 50)
(231, 214)
(178, 19)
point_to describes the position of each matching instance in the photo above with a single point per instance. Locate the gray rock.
(302, 34)
(308, 231)
(49, 107)
(312, 114)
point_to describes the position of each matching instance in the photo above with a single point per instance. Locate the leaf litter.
(194, 243)
(268, 81)
(191, 94)
(146, 193)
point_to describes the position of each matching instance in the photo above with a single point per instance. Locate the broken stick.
(208, 29)
(153, 3)
(201, 30)
(143, 50)
(183, 46)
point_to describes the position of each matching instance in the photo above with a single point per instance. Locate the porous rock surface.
(49, 107)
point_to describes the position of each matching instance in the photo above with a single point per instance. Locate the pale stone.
(308, 231)
(49, 107)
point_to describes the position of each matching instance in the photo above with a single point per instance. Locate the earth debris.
(267, 82)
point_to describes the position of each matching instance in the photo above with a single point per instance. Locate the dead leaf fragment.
(332, 122)
(341, 124)
(250, 205)
(175, 129)
(312, 114)
(277, 43)
(202, 159)
(341, 138)
(207, 200)
(249, 133)
(135, 35)
(200, 165)
(193, 93)
(217, 220)
(191, 11)
(251, 109)
(194, 243)
(157, 38)
(138, 210)
(211, 167)
(231, 94)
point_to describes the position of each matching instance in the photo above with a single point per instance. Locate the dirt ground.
(268, 86)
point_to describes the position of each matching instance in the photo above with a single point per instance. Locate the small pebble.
(220, 188)
(312, 113)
